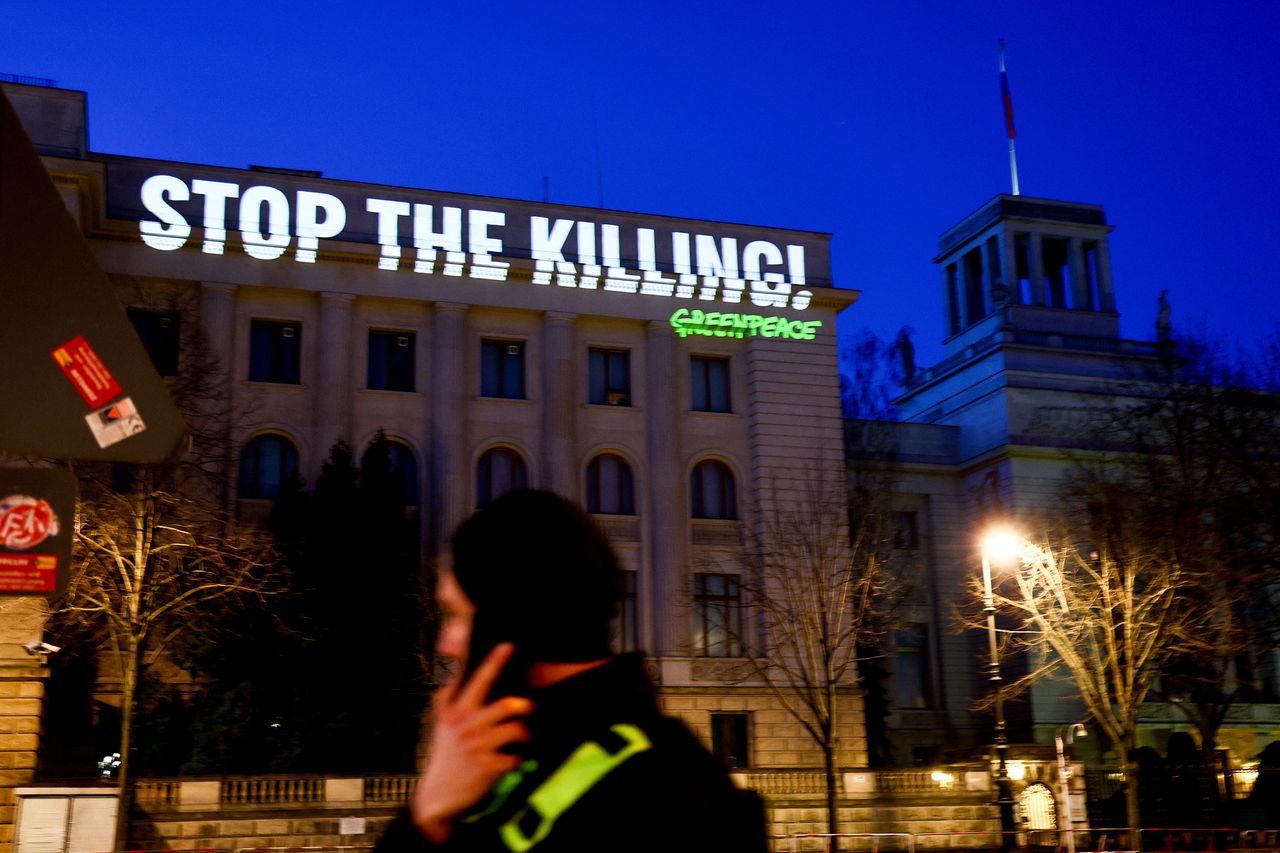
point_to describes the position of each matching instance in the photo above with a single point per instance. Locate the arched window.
(500, 470)
(711, 491)
(266, 464)
(610, 487)
(400, 465)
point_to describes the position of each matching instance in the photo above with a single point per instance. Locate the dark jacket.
(604, 771)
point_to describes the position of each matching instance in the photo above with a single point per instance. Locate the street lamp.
(1074, 731)
(1003, 546)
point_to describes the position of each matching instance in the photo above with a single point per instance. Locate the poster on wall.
(37, 511)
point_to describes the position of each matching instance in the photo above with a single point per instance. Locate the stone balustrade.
(233, 793)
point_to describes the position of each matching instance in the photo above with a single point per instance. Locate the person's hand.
(466, 740)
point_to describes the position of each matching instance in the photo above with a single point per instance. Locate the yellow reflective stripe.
(502, 790)
(580, 772)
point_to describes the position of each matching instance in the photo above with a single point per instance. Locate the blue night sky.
(878, 122)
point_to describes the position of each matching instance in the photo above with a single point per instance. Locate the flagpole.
(1008, 120)
(1013, 167)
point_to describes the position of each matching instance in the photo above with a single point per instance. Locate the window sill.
(701, 413)
(388, 392)
(262, 383)
(524, 401)
(593, 407)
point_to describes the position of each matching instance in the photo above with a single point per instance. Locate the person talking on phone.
(546, 741)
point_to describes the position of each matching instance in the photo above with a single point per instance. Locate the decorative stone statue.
(906, 353)
(1164, 328)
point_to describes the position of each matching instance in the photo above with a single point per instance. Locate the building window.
(274, 350)
(717, 608)
(709, 381)
(610, 487)
(267, 463)
(729, 740)
(905, 532)
(711, 491)
(499, 471)
(400, 466)
(626, 635)
(502, 369)
(609, 377)
(913, 681)
(158, 331)
(390, 361)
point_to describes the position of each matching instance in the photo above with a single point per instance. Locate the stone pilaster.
(1037, 268)
(1106, 293)
(1081, 298)
(334, 360)
(450, 478)
(668, 551)
(559, 390)
(217, 324)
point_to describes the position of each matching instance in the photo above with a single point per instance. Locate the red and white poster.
(86, 371)
(37, 506)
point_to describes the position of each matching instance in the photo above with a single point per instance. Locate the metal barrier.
(1094, 840)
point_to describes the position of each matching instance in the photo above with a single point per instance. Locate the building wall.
(783, 427)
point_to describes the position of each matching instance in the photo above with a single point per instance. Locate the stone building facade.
(1033, 363)
(654, 369)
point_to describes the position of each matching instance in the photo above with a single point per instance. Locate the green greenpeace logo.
(725, 325)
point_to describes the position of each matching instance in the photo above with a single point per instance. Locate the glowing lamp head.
(1003, 546)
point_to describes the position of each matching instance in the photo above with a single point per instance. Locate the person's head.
(536, 571)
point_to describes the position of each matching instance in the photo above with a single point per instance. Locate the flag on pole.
(1004, 93)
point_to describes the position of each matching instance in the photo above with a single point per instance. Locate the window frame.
(725, 752)
(702, 383)
(164, 350)
(391, 378)
(501, 391)
(277, 368)
(287, 471)
(610, 394)
(484, 489)
(729, 603)
(626, 496)
(626, 625)
(697, 493)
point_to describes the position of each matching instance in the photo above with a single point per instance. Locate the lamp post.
(1000, 545)
(1074, 731)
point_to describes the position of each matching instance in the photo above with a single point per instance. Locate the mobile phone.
(513, 679)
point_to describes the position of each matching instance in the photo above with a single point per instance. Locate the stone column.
(450, 476)
(218, 325)
(1009, 258)
(992, 272)
(1037, 268)
(668, 508)
(962, 293)
(559, 391)
(1081, 297)
(1106, 294)
(334, 359)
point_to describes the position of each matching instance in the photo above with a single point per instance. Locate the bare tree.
(818, 583)
(156, 552)
(1111, 615)
(1198, 471)
(151, 564)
